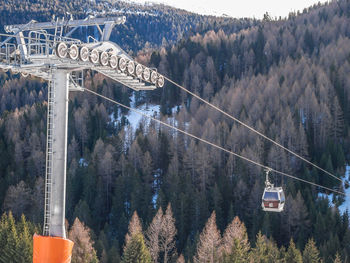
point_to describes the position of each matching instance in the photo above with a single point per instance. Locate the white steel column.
(57, 197)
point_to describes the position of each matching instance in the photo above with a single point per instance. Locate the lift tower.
(48, 51)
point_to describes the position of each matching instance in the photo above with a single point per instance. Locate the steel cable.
(252, 129)
(212, 144)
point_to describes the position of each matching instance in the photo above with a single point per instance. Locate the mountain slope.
(152, 24)
(287, 78)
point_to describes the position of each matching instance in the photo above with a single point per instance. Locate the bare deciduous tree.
(167, 237)
(235, 244)
(134, 227)
(209, 243)
(152, 235)
(181, 259)
(83, 251)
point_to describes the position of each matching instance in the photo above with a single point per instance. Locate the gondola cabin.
(273, 199)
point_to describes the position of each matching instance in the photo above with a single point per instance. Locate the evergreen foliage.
(311, 253)
(293, 254)
(265, 250)
(136, 251)
(16, 243)
(235, 244)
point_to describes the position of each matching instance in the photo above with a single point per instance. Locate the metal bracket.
(267, 182)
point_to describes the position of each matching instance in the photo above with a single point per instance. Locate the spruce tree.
(293, 254)
(16, 243)
(136, 251)
(10, 252)
(25, 244)
(235, 245)
(113, 253)
(265, 251)
(311, 253)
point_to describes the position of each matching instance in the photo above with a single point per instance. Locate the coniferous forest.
(145, 193)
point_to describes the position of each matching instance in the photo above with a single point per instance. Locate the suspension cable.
(252, 129)
(212, 144)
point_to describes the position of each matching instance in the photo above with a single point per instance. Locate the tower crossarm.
(89, 21)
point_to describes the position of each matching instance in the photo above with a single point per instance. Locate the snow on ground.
(83, 162)
(154, 200)
(346, 205)
(134, 118)
(156, 187)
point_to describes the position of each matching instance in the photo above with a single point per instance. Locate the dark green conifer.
(136, 251)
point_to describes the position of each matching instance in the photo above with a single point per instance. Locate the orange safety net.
(48, 249)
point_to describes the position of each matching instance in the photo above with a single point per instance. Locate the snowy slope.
(135, 118)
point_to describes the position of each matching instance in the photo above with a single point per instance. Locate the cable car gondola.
(273, 199)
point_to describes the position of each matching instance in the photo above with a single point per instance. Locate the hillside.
(288, 78)
(147, 25)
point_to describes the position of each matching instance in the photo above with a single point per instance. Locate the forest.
(146, 193)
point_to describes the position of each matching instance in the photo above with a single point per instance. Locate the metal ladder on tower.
(58, 30)
(49, 155)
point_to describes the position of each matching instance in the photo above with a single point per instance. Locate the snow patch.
(123, 11)
(134, 118)
(83, 162)
(346, 205)
(155, 186)
(154, 200)
(325, 196)
(302, 117)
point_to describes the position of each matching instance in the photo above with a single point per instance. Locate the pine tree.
(311, 253)
(209, 243)
(235, 245)
(136, 251)
(293, 254)
(83, 251)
